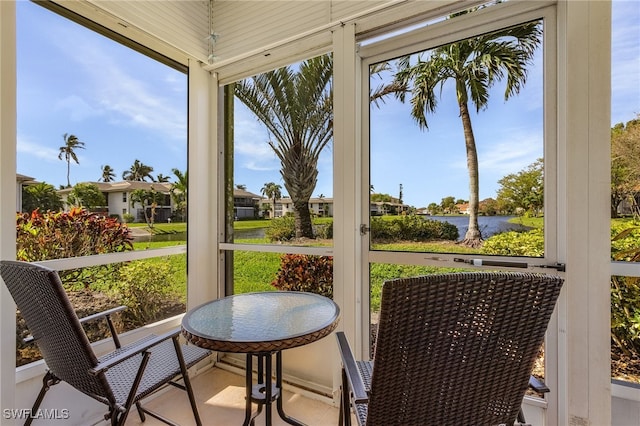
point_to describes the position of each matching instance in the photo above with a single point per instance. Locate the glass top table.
(260, 325)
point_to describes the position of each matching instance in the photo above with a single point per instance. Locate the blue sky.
(125, 106)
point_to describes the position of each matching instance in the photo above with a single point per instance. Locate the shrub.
(625, 314)
(284, 229)
(281, 229)
(324, 230)
(145, 288)
(412, 228)
(301, 272)
(625, 291)
(58, 235)
(42, 236)
(128, 218)
(515, 243)
(55, 235)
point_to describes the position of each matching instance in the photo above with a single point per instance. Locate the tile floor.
(220, 396)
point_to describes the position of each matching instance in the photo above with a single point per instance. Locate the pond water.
(489, 225)
(249, 233)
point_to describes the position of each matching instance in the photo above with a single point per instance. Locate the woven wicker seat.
(120, 379)
(451, 349)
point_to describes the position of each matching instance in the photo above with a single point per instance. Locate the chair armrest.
(351, 370)
(107, 315)
(133, 350)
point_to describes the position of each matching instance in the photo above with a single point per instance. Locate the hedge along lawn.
(254, 271)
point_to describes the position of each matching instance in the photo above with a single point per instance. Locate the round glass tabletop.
(260, 322)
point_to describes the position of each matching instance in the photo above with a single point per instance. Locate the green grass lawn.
(532, 222)
(162, 228)
(254, 271)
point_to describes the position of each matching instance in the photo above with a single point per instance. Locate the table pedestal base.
(265, 392)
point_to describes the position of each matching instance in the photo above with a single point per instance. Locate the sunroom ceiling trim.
(176, 30)
(254, 37)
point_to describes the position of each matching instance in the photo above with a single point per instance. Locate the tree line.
(45, 197)
(520, 193)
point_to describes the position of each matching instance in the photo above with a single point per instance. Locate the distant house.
(393, 206)
(245, 204)
(21, 181)
(322, 207)
(463, 208)
(118, 199)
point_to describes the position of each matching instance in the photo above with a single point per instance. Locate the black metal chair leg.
(143, 417)
(248, 387)
(345, 402)
(520, 419)
(187, 382)
(47, 381)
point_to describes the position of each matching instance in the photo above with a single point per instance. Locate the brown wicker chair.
(451, 349)
(120, 379)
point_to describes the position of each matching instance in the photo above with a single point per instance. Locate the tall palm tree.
(71, 143)
(296, 108)
(474, 65)
(108, 174)
(271, 190)
(138, 172)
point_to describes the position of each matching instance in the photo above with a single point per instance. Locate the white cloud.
(251, 148)
(79, 109)
(512, 154)
(118, 89)
(41, 152)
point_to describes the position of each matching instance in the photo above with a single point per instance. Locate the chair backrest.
(54, 325)
(458, 348)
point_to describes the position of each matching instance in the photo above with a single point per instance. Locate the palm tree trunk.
(473, 237)
(302, 218)
(68, 173)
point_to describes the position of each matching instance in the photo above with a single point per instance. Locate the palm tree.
(138, 172)
(162, 178)
(42, 196)
(296, 108)
(179, 191)
(474, 64)
(147, 198)
(71, 143)
(108, 174)
(271, 190)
